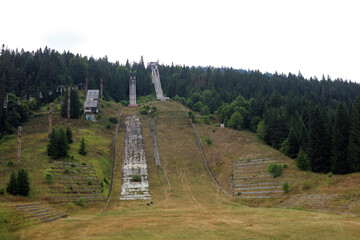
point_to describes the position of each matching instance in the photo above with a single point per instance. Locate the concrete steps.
(39, 213)
(70, 186)
(320, 203)
(251, 179)
(134, 162)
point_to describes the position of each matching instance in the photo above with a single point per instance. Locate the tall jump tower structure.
(156, 81)
(132, 90)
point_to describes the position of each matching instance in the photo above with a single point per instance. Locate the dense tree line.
(42, 75)
(315, 121)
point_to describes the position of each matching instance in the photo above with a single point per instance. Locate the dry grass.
(187, 204)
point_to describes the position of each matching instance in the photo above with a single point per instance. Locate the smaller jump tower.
(132, 90)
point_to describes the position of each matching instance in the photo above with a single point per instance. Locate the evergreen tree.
(61, 144)
(23, 182)
(236, 121)
(354, 139)
(302, 161)
(52, 145)
(340, 140)
(12, 185)
(291, 145)
(75, 105)
(82, 149)
(69, 135)
(318, 144)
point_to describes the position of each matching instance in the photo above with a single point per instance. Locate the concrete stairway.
(39, 213)
(322, 203)
(134, 162)
(80, 181)
(251, 179)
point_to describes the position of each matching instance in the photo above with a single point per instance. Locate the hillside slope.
(186, 202)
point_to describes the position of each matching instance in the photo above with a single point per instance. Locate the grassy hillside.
(186, 202)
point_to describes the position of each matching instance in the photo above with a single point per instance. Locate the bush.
(208, 141)
(275, 170)
(207, 120)
(106, 181)
(113, 120)
(307, 184)
(70, 206)
(66, 171)
(81, 202)
(108, 126)
(1, 191)
(90, 183)
(136, 178)
(10, 163)
(143, 112)
(286, 187)
(49, 178)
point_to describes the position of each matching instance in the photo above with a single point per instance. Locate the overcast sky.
(315, 37)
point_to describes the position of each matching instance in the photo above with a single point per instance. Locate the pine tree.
(340, 140)
(75, 105)
(69, 135)
(12, 185)
(82, 149)
(61, 144)
(51, 147)
(302, 161)
(23, 182)
(291, 145)
(318, 143)
(354, 139)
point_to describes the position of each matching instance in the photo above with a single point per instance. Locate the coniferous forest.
(314, 121)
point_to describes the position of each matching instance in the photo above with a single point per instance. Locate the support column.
(68, 105)
(19, 144)
(101, 89)
(50, 118)
(86, 87)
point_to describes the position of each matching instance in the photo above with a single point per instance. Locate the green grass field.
(187, 204)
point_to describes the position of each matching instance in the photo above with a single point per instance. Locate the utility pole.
(19, 144)
(50, 119)
(101, 89)
(68, 105)
(86, 87)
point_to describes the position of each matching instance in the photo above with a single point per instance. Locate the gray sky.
(316, 37)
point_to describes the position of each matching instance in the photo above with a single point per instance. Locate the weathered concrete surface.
(156, 81)
(132, 90)
(155, 146)
(134, 162)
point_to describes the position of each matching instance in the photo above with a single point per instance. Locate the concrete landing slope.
(134, 162)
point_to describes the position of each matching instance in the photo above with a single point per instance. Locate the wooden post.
(50, 119)
(101, 89)
(19, 144)
(86, 87)
(68, 105)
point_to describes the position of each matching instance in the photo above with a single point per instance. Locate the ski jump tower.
(132, 90)
(156, 81)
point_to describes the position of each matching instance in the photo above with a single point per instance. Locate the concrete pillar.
(86, 87)
(19, 144)
(101, 89)
(50, 118)
(68, 105)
